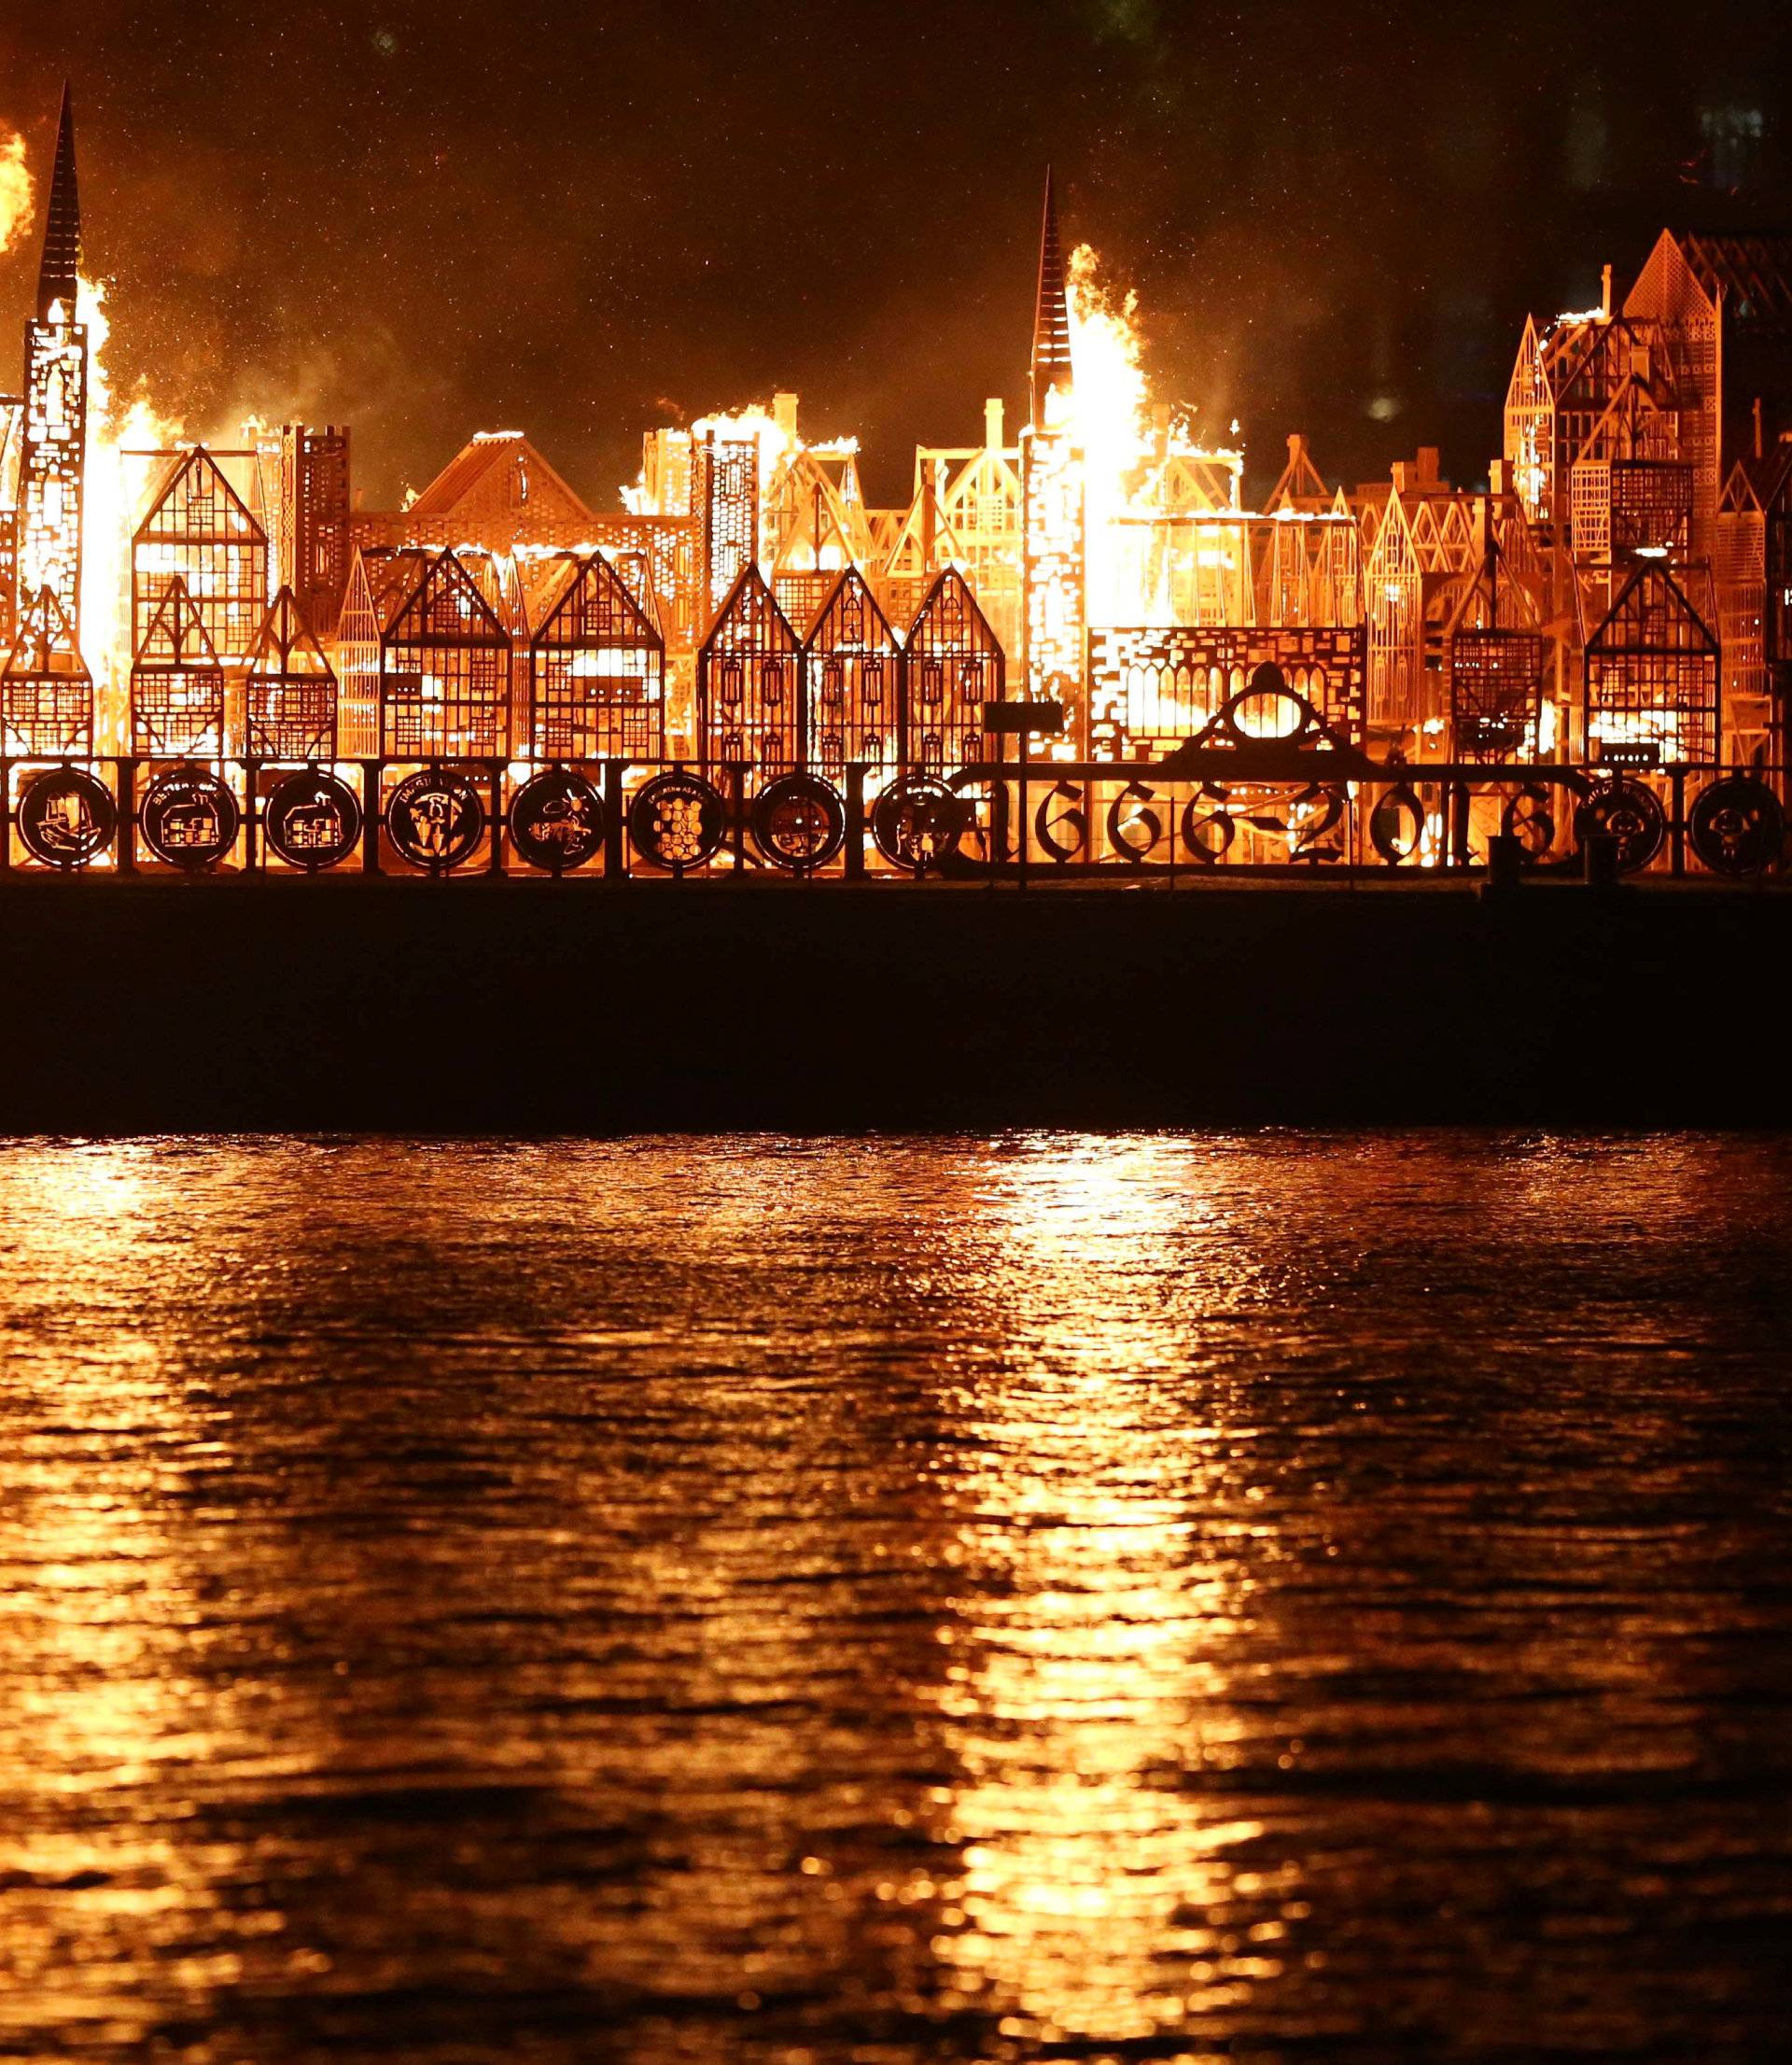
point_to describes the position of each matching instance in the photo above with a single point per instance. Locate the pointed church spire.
(56, 279)
(1052, 321)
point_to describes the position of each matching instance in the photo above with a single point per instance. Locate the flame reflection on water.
(895, 1599)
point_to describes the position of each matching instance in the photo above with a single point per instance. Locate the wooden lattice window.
(290, 692)
(178, 685)
(745, 708)
(445, 671)
(1651, 507)
(46, 691)
(597, 672)
(952, 649)
(198, 531)
(1652, 675)
(1495, 693)
(847, 658)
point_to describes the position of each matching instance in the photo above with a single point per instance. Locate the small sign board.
(1037, 719)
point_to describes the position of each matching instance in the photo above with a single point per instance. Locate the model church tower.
(52, 452)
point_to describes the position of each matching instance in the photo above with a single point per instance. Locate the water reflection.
(900, 1600)
(1096, 1640)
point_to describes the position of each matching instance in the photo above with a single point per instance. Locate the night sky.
(583, 221)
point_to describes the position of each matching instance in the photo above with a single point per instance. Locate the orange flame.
(15, 191)
(114, 425)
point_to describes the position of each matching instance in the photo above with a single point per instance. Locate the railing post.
(127, 816)
(1020, 860)
(855, 822)
(495, 864)
(249, 816)
(737, 810)
(615, 852)
(370, 817)
(1678, 783)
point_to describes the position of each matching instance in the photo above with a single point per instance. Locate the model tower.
(52, 456)
(1052, 521)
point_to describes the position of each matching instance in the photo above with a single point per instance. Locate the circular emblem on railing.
(557, 819)
(311, 820)
(916, 822)
(65, 817)
(190, 818)
(677, 821)
(1631, 814)
(1737, 826)
(799, 822)
(435, 818)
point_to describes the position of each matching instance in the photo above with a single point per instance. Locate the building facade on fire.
(1618, 594)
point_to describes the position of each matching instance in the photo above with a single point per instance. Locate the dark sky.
(585, 219)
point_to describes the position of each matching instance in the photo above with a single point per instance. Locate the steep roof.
(62, 260)
(1754, 273)
(44, 645)
(473, 467)
(1052, 372)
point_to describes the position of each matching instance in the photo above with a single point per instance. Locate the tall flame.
(1110, 406)
(115, 424)
(1109, 417)
(15, 191)
(1129, 449)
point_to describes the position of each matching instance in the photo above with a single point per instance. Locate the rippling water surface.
(1153, 1597)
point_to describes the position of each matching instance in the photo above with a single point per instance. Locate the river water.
(1270, 1599)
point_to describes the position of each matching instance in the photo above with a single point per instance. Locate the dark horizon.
(425, 224)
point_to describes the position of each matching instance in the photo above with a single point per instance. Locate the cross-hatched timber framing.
(178, 685)
(1495, 693)
(444, 670)
(852, 684)
(597, 671)
(965, 513)
(952, 663)
(1685, 316)
(198, 530)
(289, 691)
(1652, 672)
(748, 684)
(46, 691)
(1742, 580)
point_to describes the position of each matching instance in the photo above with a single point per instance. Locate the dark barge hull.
(517, 1005)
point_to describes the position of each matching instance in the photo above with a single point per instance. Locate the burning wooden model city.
(1600, 638)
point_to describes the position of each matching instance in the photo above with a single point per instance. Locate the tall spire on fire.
(1052, 320)
(57, 276)
(52, 451)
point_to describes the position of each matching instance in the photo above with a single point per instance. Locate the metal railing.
(1190, 817)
